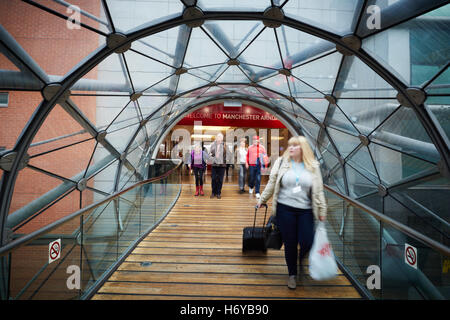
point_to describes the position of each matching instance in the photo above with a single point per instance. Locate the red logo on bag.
(325, 250)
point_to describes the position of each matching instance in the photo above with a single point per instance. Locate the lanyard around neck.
(297, 171)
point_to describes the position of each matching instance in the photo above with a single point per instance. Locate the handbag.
(273, 234)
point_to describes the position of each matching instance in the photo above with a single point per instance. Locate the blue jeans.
(242, 174)
(254, 179)
(296, 227)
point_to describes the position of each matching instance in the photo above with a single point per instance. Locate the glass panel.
(394, 166)
(14, 118)
(100, 159)
(58, 131)
(134, 156)
(188, 82)
(344, 142)
(405, 209)
(49, 211)
(210, 73)
(336, 181)
(358, 185)
(101, 110)
(431, 196)
(33, 278)
(233, 36)
(361, 235)
(301, 89)
(324, 141)
(329, 159)
(129, 117)
(311, 128)
(70, 162)
(362, 162)
(416, 49)
(165, 87)
(241, 5)
(202, 51)
(129, 14)
(160, 46)
(90, 13)
(54, 43)
(108, 77)
(129, 216)
(257, 73)
(440, 85)
(318, 107)
(99, 242)
(121, 137)
(145, 72)
(336, 209)
(233, 74)
(357, 80)
(374, 201)
(390, 9)
(367, 114)
(278, 83)
(401, 280)
(93, 242)
(404, 132)
(263, 51)
(320, 73)
(440, 107)
(334, 16)
(338, 119)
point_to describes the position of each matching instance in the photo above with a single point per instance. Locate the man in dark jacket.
(219, 154)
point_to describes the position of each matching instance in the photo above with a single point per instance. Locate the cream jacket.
(318, 202)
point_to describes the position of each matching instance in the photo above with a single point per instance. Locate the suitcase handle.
(254, 219)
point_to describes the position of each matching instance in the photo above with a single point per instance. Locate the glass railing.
(385, 259)
(93, 241)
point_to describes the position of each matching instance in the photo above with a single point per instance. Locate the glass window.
(403, 131)
(440, 107)
(414, 50)
(334, 16)
(4, 99)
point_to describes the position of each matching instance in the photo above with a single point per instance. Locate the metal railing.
(384, 258)
(93, 241)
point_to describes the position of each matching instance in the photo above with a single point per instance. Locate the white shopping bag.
(322, 264)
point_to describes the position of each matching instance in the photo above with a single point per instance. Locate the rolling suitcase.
(254, 238)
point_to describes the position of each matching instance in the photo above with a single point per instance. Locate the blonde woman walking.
(297, 188)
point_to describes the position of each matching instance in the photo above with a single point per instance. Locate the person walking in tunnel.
(242, 159)
(219, 155)
(296, 185)
(256, 157)
(198, 165)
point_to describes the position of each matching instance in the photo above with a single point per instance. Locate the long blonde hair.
(307, 154)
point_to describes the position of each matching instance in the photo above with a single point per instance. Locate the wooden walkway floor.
(196, 253)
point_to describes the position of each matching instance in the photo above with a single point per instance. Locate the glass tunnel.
(90, 89)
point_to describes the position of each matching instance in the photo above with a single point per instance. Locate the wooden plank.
(196, 253)
(228, 291)
(181, 277)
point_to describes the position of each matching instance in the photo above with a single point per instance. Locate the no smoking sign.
(54, 250)
(410, 256)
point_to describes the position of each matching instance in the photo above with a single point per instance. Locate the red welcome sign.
(245, 116)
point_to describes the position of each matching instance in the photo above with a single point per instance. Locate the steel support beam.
(13, 50)
(24, 213)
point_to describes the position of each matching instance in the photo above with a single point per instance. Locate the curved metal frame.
(266, 107)
(427, 119)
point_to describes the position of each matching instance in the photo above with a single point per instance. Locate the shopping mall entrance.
(236, 121)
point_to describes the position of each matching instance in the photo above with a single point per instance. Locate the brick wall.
(56, 49)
